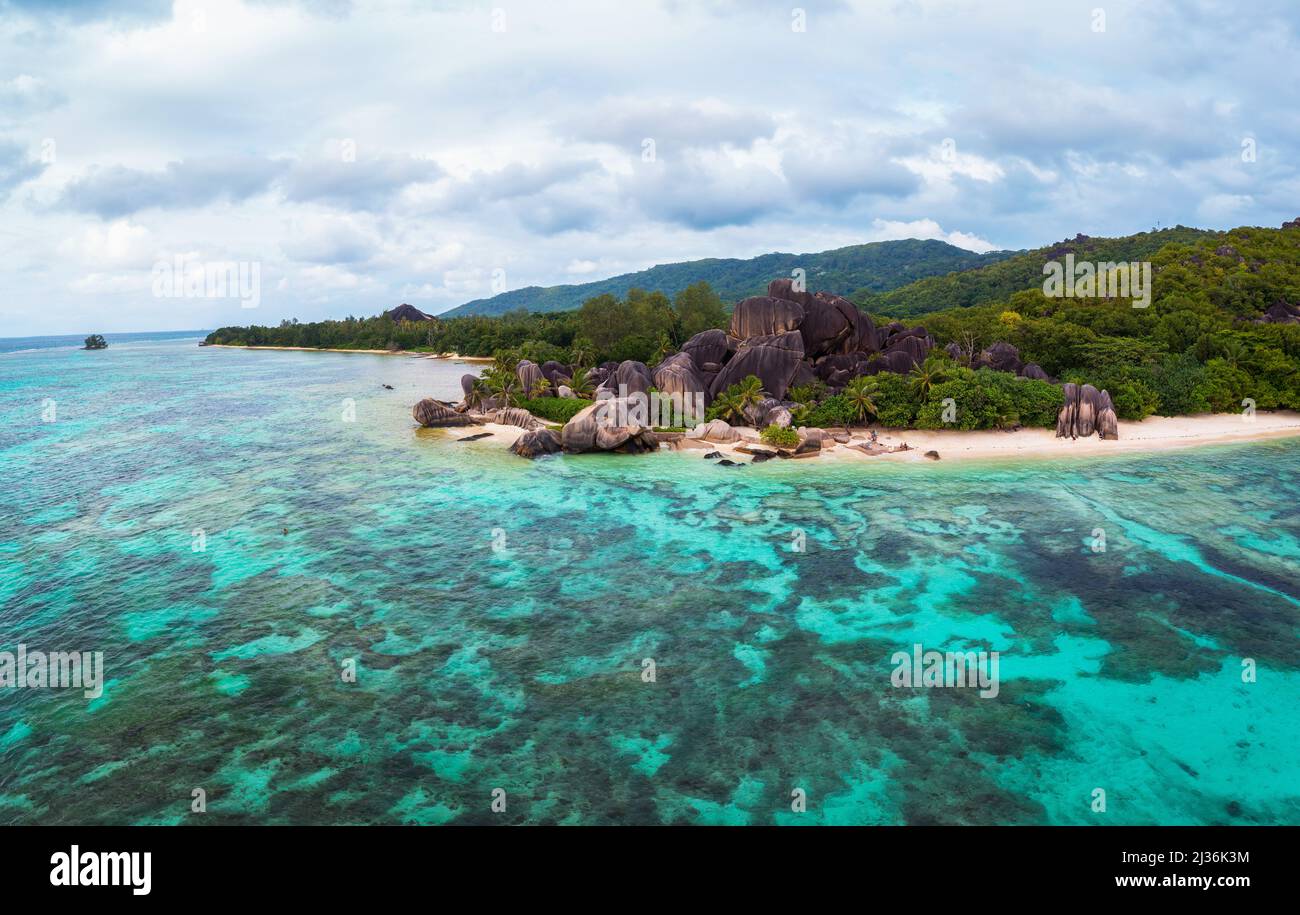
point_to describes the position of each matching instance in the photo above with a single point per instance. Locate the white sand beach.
(369, 352)
(1156, 433)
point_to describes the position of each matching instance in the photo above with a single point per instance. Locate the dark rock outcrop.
(715, 430)
(436, 414)
(609, 425)
(833, 324)
(556, 373)
(1107, 421)
(709, 347)
(917, 347)
(529, 374)
(677, 376)
(406, 312)
(783, 288)
(537, 443)
(773, 358)
(899, 361)
(764, 316)
(1002, 357)
(515, 416)
(631, 375)
(1086, 410)
(1033, 370)
(1281, 312)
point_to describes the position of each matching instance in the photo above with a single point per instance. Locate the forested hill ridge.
(1023, 270)
(1221, 331)
(870, 268)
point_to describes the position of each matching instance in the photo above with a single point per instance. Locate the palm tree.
(540, 388)
(1233, 351)
(749, 392)
(729, 407)
(662, 351)
(580, 383)
(861, 394)
(502, 385)
(925, 376)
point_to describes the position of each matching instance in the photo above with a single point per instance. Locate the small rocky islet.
(785, 338)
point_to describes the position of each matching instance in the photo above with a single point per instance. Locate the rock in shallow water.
(436, 414)
(537, 443)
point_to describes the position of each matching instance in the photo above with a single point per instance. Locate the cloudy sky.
(365, 154)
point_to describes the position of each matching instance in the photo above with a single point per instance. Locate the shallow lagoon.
(520, 667)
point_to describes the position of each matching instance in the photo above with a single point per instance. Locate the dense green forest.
(873, 267)
(996, 282)
(643, 326)
(1204, 342)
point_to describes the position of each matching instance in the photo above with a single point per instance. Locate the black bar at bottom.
(336, 864)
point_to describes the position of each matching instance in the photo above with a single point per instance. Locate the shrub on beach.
(833, 411)
(555, 409)
(987, 399)
(780, 437)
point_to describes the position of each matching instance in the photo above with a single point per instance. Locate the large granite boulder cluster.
(609, 425)
(1087, 410)
(438, 414)
(785, 338)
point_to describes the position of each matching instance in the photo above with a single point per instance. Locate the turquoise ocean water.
(499, 611)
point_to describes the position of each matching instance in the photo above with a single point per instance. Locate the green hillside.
(997, 281)
(872, 268)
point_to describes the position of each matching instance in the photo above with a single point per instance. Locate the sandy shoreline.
(369, 352)
(1155, 433)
